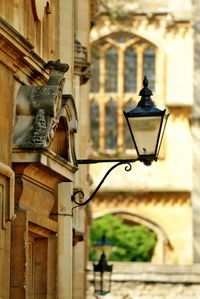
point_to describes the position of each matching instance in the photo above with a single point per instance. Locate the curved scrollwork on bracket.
(79, 203)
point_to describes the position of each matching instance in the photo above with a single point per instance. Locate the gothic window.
(119, 63)
(130, 71)
(94, 123)
(111, 125)
(111, 66)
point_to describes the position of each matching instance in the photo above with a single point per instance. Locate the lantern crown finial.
(145, 91)
(145, 82)
(146, 94)
(146, 123)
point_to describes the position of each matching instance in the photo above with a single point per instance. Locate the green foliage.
(130, 243)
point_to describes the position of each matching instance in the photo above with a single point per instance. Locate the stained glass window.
(128, 142)
(149, 67)
(94, 72)
(111, 125)
(94, 123)
(130, 71)
(111, 70)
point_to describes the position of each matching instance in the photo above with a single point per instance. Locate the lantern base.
(147, 161)
(101, 293)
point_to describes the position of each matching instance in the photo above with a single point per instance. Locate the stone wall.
(147, 281)
(177, 7)
(144, 290)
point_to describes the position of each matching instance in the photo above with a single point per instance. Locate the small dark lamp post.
(102, 276)
(102, 271)
(146, 124)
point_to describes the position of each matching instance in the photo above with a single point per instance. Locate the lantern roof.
(102, 265)
(146, 106)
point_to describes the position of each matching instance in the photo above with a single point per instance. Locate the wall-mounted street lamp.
(147, 125)
(102, 271)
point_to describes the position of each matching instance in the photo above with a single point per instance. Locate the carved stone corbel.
(38, 107)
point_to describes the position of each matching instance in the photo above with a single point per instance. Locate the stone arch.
(163, 243)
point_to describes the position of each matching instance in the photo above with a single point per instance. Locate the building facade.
(159, 39)
(132, 39)
(44, 71)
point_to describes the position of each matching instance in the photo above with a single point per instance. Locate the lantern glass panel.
(145, 131)
(165, 118)
(102, 283)
(106, 248)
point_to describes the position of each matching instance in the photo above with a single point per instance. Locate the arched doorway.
(162, 245)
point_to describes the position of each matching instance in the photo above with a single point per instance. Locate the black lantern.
(102, 276)
(146, 124)
(102, 271)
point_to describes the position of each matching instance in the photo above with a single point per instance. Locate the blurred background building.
(159, 39)
(156, 41)
(44, 71)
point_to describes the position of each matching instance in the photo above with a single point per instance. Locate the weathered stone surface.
(38, 108)
(38, 256)
(195, 125)
(81, 64)
(147, 281)
(138, 290)
(146, 5)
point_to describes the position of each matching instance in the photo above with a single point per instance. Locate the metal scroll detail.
(128, 167)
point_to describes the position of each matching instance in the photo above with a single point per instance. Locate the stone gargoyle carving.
(40, 108)
(81, 64)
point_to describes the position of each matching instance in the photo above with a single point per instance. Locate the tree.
(130, 243)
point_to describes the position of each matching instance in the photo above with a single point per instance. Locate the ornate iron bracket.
(118, 163)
